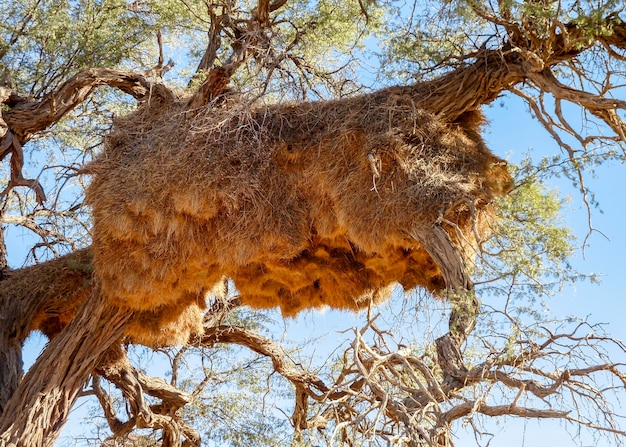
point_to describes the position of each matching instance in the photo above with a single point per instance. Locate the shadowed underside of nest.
(302, 206)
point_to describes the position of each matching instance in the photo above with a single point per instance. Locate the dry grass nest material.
(301, 205)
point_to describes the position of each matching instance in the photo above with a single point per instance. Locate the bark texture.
(42, 401)
(44, 297)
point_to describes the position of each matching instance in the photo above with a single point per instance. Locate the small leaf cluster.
(529, 252)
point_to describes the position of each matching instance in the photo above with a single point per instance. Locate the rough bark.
(27, 117)
(465, 305)
(133, 384)
(44, 297)
(11, 366)
(42, 402)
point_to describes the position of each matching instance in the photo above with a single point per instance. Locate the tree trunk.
(465, 305)
(11, 368)
(44, 297)
(41, 404)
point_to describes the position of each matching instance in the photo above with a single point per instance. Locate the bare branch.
(10, 144)
(107, 406)
(306, 384)
(28, 117)
(133, 383)
(603, 108)
(467, 408)
(265, 347)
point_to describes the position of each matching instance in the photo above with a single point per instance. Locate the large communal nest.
(301, 205)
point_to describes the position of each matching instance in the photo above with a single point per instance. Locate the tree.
(67, 65)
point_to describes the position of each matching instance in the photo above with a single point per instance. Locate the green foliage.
(331, 29)
(528, 254)
(47, 41)
(423, 39)
(420, 39)
(315, 50)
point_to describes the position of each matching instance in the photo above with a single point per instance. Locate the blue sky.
(513, 132)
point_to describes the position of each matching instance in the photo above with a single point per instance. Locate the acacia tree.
(70, 67)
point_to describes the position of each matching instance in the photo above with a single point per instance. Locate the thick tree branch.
(44, 297)
(27, 117)
(249, 40)
(467, 408)
(494, 71)
(306, 384)
(107, 406)
(133, 383)
(116, 366)
(465, 305)
(10, 144)
(264, 346)
(41, 404)
(603, 108)
(214, 42)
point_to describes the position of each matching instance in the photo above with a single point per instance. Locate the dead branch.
(115, 367)
(468, 408)
(133, 384)
(159, 69)
(107, 406)
(307, 384)
(402, 394)
(30, 223)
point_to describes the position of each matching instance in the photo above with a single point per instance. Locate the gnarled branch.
(26, 117)
(133, 383)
